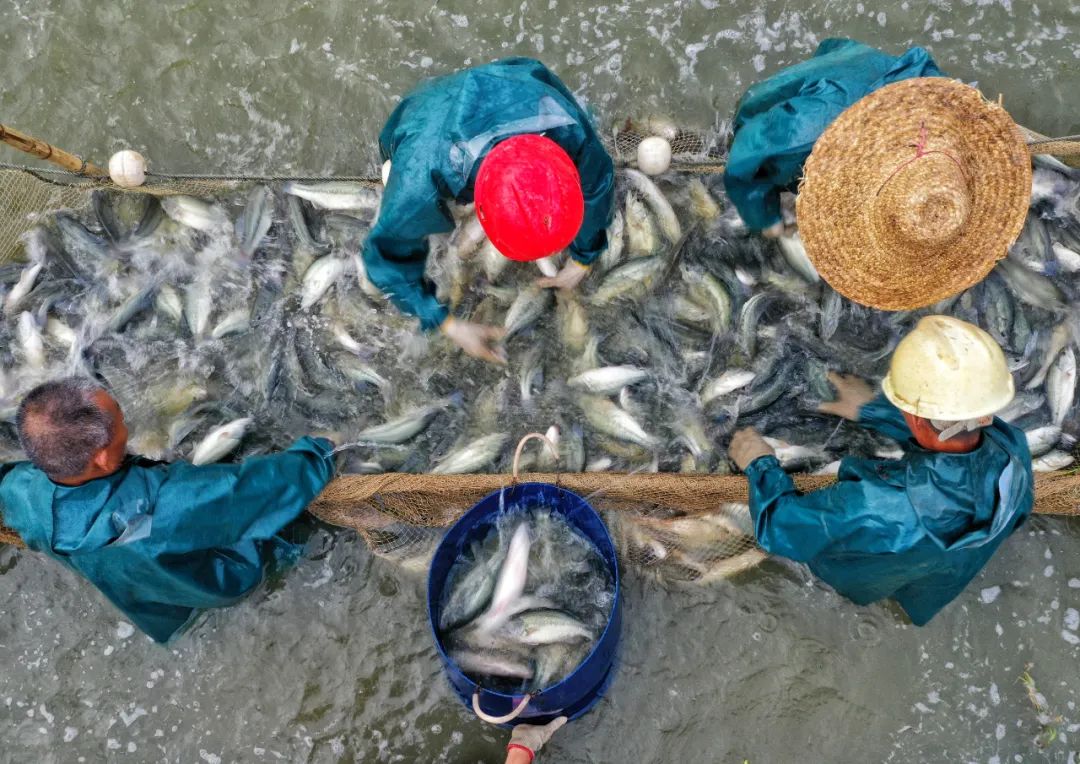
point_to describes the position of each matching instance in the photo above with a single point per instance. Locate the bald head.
(69, 429)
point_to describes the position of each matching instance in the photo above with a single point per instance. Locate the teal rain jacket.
(436, 138)
(779, 119)
(164, 541)
(917, 529)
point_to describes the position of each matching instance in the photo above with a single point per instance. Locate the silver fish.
(492, 260)
(728, 382)
(793, 457)
(359, 372)
(608, 380)
(195, 213)
(79, 241)
(61, 332)
(467, 237)
(511, 581)
(406, 426)
(632, 277)
(573, 321)
(641, 237)
(233, 322)
(472, 456)
(169, 304)
(1031, 287)
(22, 287)
(299, 222)
(572, 449)
(713, 295)
(33, 347)
(220, 441)
(1061, 386)
(1052, 462)
(702, 202)
(531, 303)
(547, 460)
(608, 418)
(658, 203)
(543, 627)
(1042, 439)
(795, 254)
(1022, 405)
(491, 663)
(749, 321)
(135, 303)
(531, 373)
(198, 304)
(1059, 338)
(616, 242)
(1068, 259)
(319, 277)
(258, 216)
(831, 306)
(343, 196)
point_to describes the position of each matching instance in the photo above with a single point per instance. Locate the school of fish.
(229, 327)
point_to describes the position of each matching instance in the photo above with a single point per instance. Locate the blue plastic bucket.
(580, 690)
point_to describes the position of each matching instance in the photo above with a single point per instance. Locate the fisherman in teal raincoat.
(161, 541)
(510, 137)
(779, 119)
(920, 528)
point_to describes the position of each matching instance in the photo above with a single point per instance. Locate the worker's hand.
(532, 737)
(571, 274)
(852, 393)
(746, 446)
(476, 340)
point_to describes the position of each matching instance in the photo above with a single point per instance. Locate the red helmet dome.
(528, 197)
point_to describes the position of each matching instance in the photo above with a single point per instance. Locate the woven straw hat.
(913, 193)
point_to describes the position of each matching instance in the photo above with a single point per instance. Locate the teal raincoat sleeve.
(436, 139)
(396, 250)
(881, 415)
(802, 526)
(248, 501)
(779, 119)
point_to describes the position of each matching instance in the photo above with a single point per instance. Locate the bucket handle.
(498, 719)
(521, 447)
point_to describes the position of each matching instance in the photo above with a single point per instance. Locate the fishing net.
(689, 526)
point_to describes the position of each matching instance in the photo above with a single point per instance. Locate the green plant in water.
(1048, 724)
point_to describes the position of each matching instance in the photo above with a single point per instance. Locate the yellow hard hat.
(948, 369)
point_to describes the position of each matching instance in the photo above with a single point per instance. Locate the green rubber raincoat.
(437, 137)
(164, 541)
(917, 529)
(779, 119)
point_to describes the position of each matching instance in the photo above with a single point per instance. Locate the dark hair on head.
(61, 426)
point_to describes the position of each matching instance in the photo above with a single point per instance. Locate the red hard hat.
(528, 197)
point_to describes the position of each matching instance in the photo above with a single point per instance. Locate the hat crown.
(926, 203)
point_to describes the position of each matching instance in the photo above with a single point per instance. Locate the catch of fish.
(229, 327)
(524, 605)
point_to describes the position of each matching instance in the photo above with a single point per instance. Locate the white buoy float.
(654, 155)
(127, 169)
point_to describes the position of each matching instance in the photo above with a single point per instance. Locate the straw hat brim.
(863, 149)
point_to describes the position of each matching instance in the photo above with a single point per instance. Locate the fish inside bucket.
(525, 602)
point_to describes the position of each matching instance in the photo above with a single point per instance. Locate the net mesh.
(682, 526)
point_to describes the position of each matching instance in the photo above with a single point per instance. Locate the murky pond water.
(333, 662)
